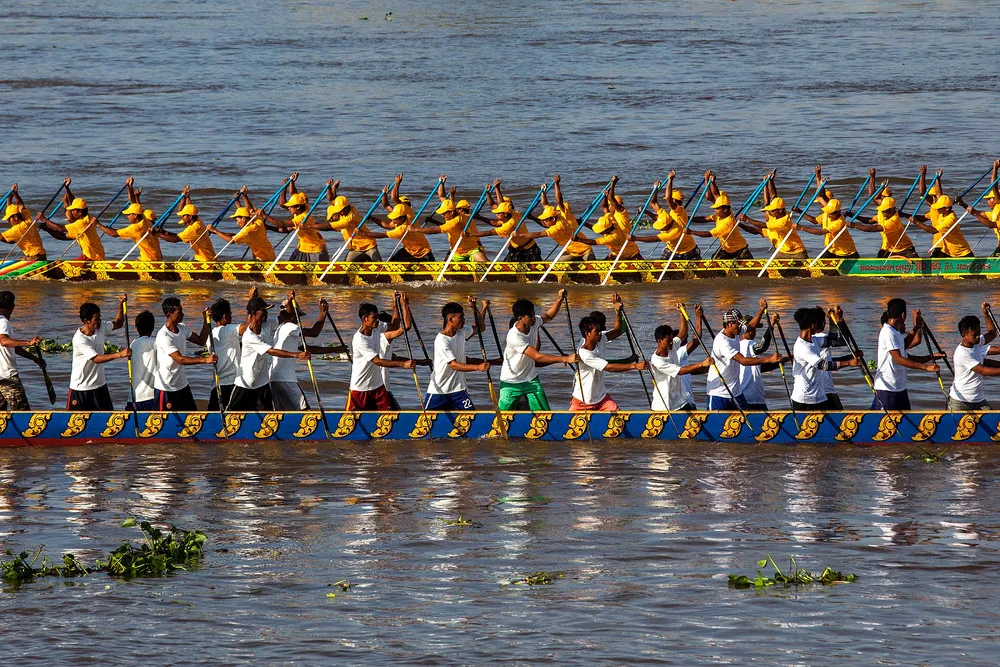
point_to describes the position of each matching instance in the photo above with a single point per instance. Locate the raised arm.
(553, 310)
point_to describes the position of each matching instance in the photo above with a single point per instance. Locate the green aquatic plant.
(540, 578)
(52, 346)
(796, 576)
(929, 456)
(460, 521)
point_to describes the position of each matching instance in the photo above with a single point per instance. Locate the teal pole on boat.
(267, 207)
(857, 196)
(853, 217)
(913, 186)
(957, 222)
(589, 211)
(635, 223)
(746, 204)
(806, 189)
(802, 214)
(295, 235)
(368, 214)
(472, 216)
(524, 216)
(677, 245)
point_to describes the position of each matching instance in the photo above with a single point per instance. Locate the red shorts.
(376, 399)
(606, 404)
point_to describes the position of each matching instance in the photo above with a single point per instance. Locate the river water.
(219, 95)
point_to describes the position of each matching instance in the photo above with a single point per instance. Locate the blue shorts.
(891, 400)
(458, 401)
(725, 403)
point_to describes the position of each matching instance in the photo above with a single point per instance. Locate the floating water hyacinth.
(795, 577)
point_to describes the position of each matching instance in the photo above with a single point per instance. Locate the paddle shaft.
(673, 253)
(409, 351)
(294, 236)
(781, 367)
(489, 376)
(524, 216)
(215, 372)
(415, 223)
(791, 229)
(916, 209)
(472, 216)
(131, 385)
(855, 350)
(708, 353)
(635, 224)
(312, 373)
(633, 343)
(589, 211)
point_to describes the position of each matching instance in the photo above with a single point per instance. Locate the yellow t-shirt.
(90, 242)
(453, 229)
(955, 244)
(519, 241)
(726, 227)
(562, 227)
(844, 244)
(254, 236)
(149, 247)
(414, 240)
(201, 242)
(26, 235)
(677, 220)
(310, 241)
(623, 221)
(993, 215)
(776, 230)
(614, 240)
(892, 233)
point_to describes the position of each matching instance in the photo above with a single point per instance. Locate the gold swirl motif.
(654, 425)
(966, 427)
(383, 425)
(463, 422)
(616, 425)
(887, 427)
(3, 422)
(310, 420)
(192, 425)
(926, 428)
(577, 426)
(116, 422)
(423, 426)
(77, 422)
(37, 424)
(809, 426)
(771, 426)
(154, 422)
(733, 426)
(849, 426)
(231, 424)
(539, 425)
(496, 431)
(693, 425)
(269, 425)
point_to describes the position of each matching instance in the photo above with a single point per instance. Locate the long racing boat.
(859, 428)
(592, 272)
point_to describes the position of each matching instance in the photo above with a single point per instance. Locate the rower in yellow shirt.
(831, 221)
(990, 218)
(895, 241)
(80, 226)
(522, 247)
(560, 225)
(670, 222)
(252, 233)
(344, 218)
(23, 230)
(777, 228)
(401, 226)
(732, 245)
(454, 216)
(611, 233)
(941, 218)
(311, 246)
(139, 230)
(195, 232)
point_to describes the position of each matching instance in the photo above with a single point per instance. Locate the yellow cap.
(677, 194)
(886, 191)
(77, 205)
(241, 212)
(504, 207)
(661, 222)
(404, 199)
(944, 201)
(445, 206)
(619, 200)
(189, 209)
(831, 206)
(547, 213)
(463, 203)
(398, 211)
(149, 214)
(775, 204)
(133, 209)
(298, 199)
(603, 225)
(721, 200)
(886, 204)
(12, 210)
(338, 205)
(993, 194)
(827, 193)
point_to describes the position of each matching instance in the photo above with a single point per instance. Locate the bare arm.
(553, 310)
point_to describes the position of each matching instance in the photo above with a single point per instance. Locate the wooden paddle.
(480, 323)
(215, 371)
(309, 364)
(131, 383)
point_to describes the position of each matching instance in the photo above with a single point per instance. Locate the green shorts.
(512, 392)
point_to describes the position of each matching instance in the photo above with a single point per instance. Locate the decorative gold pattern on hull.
(887, 427)
(809, 426)
(116, 422)
(423, 426)
(732, 427)
(654, 425)
(154, 423)
(849, 426)
(77, 422)
(233, 423)
(966, 427)
(926, 428)
(310, 420)
(539, 425)
(269, 425)
(383, 425)
(463, 422)
(37, 424)
(616, 425)
(771, 426)
(578, 425)
(693, 426)
(193, 424)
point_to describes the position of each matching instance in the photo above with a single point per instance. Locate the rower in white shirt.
(670, 370)
(971, 364)
(367, 389)
(448, 389)
(724, 375)
(144, 362)
(286, 394)
(751, 377)
(589, 390)
(893, 357)
(226, 339)
(173, 393)
(812, 361)
(12, 396)
(88, 389)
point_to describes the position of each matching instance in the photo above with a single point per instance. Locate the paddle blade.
(48, 387)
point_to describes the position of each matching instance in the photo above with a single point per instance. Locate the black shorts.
(91, 400)
(885, 253)
(213, 399)
(686, 256)
(403, 255)
(250, 400)
(181, 400)
(530, 254)
(742, 253)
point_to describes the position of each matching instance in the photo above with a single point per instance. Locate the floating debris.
(540, 578)
(795, 577)
(928, 456)
(460, 521)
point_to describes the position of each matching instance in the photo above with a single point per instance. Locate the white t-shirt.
(255, 362)
(807, 378)
(286, 338)
(366, 376)
(517, 366)
(724, 349)
(820, 340)
(591, 377)
(143, 367)
(227, 345)
(8, 366)
(668, 382)
(445, 379)
(86, 375)
(968, 385)
(170, 375)
(385, 349)
(682, 360)
(751, 379)
(889, 376)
